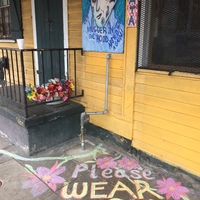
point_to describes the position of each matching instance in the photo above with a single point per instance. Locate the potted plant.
(54, 89)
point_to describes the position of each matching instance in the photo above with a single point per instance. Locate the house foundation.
(47, 126)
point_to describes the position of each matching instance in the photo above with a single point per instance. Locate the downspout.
(85, 115)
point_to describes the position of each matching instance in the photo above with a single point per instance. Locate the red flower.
(51, 87)
(41, 90)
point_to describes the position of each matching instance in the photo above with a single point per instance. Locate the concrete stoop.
(43, 129)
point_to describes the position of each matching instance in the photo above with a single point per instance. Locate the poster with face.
(103, 25)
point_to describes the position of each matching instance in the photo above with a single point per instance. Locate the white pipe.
(105, 111)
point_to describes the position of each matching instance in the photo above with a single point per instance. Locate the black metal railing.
(19, 68)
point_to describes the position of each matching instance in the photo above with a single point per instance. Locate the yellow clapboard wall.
(167, 117)
(91, 78)
(159, 113)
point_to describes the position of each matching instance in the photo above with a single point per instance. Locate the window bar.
(18, 81)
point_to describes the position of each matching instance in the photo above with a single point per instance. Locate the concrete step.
(47, 126)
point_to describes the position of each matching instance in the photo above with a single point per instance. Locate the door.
(49, 28)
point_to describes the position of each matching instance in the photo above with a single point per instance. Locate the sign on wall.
(103, 25)
(132, 12)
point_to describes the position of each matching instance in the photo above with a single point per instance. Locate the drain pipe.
(85, 115)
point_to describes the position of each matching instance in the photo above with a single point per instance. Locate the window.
(169, 35)
(10, 19)
(5, 31)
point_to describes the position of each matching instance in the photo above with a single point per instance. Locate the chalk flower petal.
(128, 163)
(106, 162)
(30, 183)
(39, 189)
(49, 177)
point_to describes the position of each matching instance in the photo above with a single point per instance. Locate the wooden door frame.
(65, 34)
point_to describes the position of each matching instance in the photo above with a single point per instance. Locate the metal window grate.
(169, 35)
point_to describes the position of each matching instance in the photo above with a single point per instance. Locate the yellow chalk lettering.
(121, 187)
(142, 187)
(94, 188)
(65, 195)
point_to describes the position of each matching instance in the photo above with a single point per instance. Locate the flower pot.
(58, 101)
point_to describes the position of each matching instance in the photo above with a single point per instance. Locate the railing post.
(23, 81)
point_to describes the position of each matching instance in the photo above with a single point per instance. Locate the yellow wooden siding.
(160, 113)
(27, 23)
(167, 116)
(91, 77)
(28, 39)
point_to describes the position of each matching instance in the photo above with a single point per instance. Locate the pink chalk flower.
(128, 163)
(48, 176)
(171, 189)
(106, 162)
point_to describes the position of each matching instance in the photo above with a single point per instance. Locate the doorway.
(50, 35)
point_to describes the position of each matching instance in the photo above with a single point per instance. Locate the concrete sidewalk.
(101, 171)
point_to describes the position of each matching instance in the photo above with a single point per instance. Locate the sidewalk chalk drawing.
(107, 167)
(103, 25)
